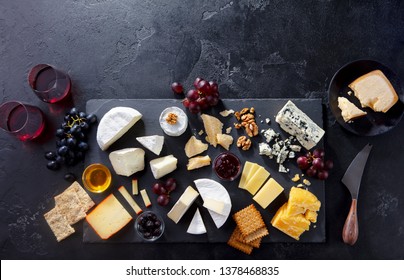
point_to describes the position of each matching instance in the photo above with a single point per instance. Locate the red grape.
(318, 153)
(185, 102)
(170, 184)
(322, 174)
(197, 80)
(157, 188)
(194, 107)
(213, 86)
(177, 88)
(318, 164)
(203, 103)
(163, 199)
(203, 86)
(192, 94)
(311, 172)
(329, 164)
(303, 162)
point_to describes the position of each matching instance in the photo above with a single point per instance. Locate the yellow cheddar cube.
(257, 180)
(268, 193)
(301, 200)
(283, 223)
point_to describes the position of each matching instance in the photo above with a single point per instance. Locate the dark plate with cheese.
(374, 123)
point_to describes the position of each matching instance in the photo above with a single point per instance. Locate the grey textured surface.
(253, 48)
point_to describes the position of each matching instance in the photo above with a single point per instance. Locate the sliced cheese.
(162, 166)
(194, 147)
(269, 191)
(257, 180)
(246, 169)
(212, 189)
(348, 110)
(182, 205)
(135, 186)
(153, 143)
(198, 162)
(224, 140)
(115, 123)
(216, 206)
(145, 198)
(213, 126)
(197, 226)
(130, 200)
(108, 217)
(127, 161)
(251, 173)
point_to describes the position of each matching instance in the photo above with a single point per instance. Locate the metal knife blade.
(353, 175)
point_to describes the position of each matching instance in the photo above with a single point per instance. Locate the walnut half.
(244, 143)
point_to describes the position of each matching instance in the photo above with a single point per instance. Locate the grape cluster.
(204, 95)
(149, 225)
(72, 139)
(315, 165)
(163, 190)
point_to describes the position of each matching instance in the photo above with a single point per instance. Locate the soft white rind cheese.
(182, 205)
(212, 189)
(127, 161)
(162, 166)
(174, 129)
(297, 123)
(153, 143)
(197, 226)
(115, 123)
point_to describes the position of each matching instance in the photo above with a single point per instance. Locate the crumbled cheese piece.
(201, 132)
(306, 182)
(228, 130)
(226, 113)
(350, 92)
(296, 178)
(268, 120)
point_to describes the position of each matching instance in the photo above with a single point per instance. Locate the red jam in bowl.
(227, 166)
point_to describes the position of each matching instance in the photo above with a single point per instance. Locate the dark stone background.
(253, 48)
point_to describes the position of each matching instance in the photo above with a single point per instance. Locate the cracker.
(58, 224)
(259, 233)
(233, 242)
(86, 202)
(249, 220)
(68, 204)
(255, 243)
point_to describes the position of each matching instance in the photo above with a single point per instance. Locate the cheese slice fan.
(352, 180)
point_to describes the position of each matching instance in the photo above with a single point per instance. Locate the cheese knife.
(352, 180)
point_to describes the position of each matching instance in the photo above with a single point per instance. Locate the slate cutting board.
(149, 125)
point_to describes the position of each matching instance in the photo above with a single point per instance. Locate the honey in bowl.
(97, 178)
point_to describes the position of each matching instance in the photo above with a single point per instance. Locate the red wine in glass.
(26, 122)
(49, 84)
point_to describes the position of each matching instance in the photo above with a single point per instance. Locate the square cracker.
(58, 224)
(249, 220)
(86, 202)
(255, 243)
(258, 234)
(235, 243)
(68, 204)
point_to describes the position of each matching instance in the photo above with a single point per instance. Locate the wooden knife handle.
(350, 231)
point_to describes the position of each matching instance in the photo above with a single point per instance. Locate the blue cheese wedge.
(115, 123)
(295, 122)
(197, 226)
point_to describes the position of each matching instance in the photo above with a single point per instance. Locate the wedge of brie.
(197, 226)
(115, 123)
(153, 143)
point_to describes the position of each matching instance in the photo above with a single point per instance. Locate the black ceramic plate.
(373, 123)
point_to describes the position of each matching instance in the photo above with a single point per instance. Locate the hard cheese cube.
(301, 200)
(183, 204)
(268, 193)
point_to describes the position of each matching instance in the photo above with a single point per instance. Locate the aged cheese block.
(182, 205)
(224, 140)
(293, 226)
(198, 162)
(194, 147)
(115, 123)
(127, 161)
(213, 126)
(301, 200)
(374, 90)
(269, 191)
(348, 110)
(295, 122)
(257, 180)
(108, 217)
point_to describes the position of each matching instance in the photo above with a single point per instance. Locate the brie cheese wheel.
(153, 143)
(170, 126)
(197, 226)
(162, 166)
(211, 189)
(127, 161)
(115, 123)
